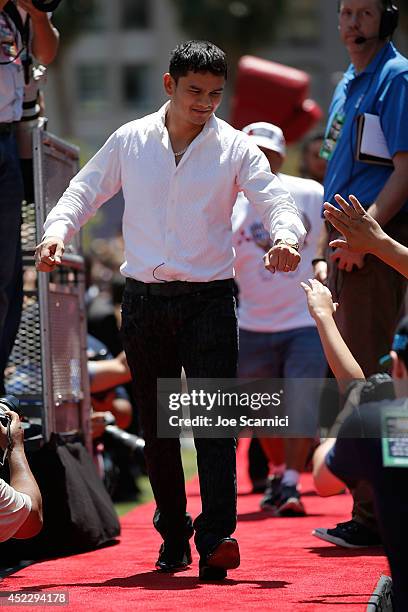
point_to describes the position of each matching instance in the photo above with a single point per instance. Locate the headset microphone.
(362, 39)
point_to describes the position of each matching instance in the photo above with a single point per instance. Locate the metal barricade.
(47, 369)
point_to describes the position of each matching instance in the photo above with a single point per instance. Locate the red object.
(267, 91)
(274, 450)
(283, 567)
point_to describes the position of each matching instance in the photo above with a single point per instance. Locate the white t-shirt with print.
(274, 302)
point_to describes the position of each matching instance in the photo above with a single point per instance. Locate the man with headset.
(370, 293)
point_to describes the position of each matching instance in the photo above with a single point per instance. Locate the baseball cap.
(399, 344)
(267, 136)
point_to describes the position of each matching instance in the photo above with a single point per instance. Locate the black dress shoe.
(174, 556)
(222, 557)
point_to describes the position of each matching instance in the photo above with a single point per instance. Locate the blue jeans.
(11, 283)
(295, 354)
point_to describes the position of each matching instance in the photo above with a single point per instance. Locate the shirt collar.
(211, 123)
(383, 54)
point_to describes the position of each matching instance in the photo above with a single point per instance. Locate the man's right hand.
(48, 254)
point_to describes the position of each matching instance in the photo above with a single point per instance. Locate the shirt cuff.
(284, 234)
(58, 229)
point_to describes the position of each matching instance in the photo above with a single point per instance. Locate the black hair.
(197, 56)
(401, 340)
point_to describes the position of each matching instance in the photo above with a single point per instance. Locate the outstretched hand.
(345, 259)
(319, 299)
(360, 230)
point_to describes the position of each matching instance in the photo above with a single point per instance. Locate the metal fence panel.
(48, 367)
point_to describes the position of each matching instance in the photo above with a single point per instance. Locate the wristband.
(317, 259)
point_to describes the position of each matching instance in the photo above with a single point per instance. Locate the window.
(92, 85)
(92, 15)
(135, 14)
(301, 23)
(135, 85)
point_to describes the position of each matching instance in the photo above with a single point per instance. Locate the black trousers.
(166, 327)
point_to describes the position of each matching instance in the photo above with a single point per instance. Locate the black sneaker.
(272, 494)
(259, 485)
(349, 535)
(289, 502)
(174, 556)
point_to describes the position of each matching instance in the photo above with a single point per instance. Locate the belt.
(7, 128)
(174, 288)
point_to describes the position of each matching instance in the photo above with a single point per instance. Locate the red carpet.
(283, 566)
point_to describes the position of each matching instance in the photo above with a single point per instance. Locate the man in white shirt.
(180, 170)
(20, 501)
(278, 339)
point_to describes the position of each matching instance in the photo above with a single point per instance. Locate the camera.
(11, 403)
(47, 6)
(133, 443)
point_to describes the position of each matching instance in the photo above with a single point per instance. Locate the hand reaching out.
(346, 260)
(319, 299)
(361, 232)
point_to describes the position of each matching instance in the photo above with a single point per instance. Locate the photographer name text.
(220, 421)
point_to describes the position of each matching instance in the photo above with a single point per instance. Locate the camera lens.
(10, 402)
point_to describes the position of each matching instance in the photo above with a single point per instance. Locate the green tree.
(237, 26)
(69, 19)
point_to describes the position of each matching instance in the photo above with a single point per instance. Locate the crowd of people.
(209, 218)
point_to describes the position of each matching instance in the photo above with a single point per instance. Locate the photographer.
(20, 502)
(118, 454)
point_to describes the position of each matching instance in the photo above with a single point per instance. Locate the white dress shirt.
(177, 219)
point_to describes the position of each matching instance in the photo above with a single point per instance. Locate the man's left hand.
(346, 260)
(281, 258)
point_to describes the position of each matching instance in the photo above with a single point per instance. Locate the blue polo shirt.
(381, 89)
